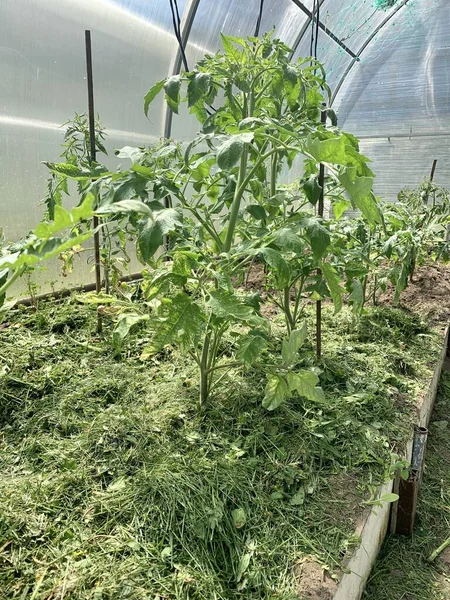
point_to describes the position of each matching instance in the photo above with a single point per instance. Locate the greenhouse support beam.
(186, 25)
(303, 30)
(364, 46)
(325, 29)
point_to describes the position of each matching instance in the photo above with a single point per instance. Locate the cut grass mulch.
(113, 485)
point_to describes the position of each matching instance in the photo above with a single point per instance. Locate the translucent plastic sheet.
(395, 97)
(42, 83)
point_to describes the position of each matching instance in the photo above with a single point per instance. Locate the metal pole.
(433, 169)
(92, 158)
(320, 207)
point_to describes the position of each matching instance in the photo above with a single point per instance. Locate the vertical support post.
(433, 169)
(92, 159)
(320, 208)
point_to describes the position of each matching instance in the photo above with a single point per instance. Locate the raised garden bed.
(114, 485)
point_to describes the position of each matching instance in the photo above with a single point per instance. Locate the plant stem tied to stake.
(90, 84)
(323, 120)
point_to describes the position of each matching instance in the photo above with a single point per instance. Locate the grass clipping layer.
(112, 484)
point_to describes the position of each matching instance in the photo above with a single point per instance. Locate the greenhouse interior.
(225, 299)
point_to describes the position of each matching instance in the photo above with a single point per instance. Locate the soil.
(428, 293)
(255, 277)
(346, 507)
(313, 582)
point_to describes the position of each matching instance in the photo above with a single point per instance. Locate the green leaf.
(150, 239)
(172, 89)
(182, 263)
(130, 152)
(250, 347)
(287, 239)
(244, 563)
(161, 282)
(388, 498)
(231, 51)
(280, 268)
(169, 219)
(225, 305)
(356, 298)
(257, 212)
(197, 87)
(123, 327)
(152, 236)
(239, 517)
(125, 206)
(305, 384)
(369, 208)
(333, 283)
(133, 187)
(290, 82)
(276, 391)
(64, 218)
(229, 153)
(291, 346)
(178, 322)
(312, 189)
(152, 93)
(298, 499)
(331, 150)
(318, 236)
(340, 207)
(360, 191)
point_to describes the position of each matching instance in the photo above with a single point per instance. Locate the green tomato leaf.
(151, 94)
(340, 207)
(312, 189)
(257, 212)
(318, 236)
(178, 322)
(150, 239)
(197, 87)
(356, 297)
(161, 283)
(291, 346)
(172, 89)
(280, 268)
(123, 327)
(250, 347)
(276, 391)
(305, 384)
(334, 285)
(287, 239)
(360, 191)
(125, 206)
(231, 51)
(331, 150)
(225, 305)
(229, 153)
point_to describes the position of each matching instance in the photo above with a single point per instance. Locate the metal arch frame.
(190, 10)
(304, 29)
(325, 29)
(364, 46)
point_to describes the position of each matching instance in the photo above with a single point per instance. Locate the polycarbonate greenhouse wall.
(389, 71)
